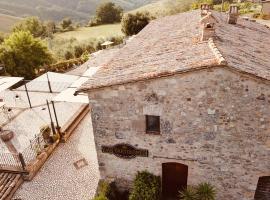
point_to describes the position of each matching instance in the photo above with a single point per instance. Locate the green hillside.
(165, 7)
(78, 10)
(86, 33)
(7, 21)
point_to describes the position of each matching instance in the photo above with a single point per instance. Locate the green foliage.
(177, 6)
(66, 24)
(22, 54)
(33, 25)
(68, 55)
(63, 66)
(55, 137)
(78, 51)
(103, 191)
(85, 56)
(2, 37)
(226, 7)
(146, 186)
(206, 191)
(197, 4)
(108, 13)
(50, 28)
(100, 197)
(189, 193)
(134, 23)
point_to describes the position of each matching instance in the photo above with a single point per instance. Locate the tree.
(108, 13)
(22, 54)
(50, 27)
(66, 23)
(33, 25)
(134, 23)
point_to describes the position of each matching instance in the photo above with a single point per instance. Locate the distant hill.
(165, 7)
(7, 21)
(78, 10)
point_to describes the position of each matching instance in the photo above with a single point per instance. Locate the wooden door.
(174, 179)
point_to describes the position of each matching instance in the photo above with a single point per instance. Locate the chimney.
(233, 14)
(208, 27)
(205, 9)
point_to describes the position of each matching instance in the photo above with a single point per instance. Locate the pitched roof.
(245, 46)
(172, 45)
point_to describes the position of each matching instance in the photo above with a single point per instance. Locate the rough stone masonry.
(216, 121)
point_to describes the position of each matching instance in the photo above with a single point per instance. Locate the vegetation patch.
(204, 191)
(146, 186)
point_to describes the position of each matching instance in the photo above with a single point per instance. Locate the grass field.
(7, 22)
(165, 7)
(86, 33)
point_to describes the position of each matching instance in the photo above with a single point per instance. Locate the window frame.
(152, 132)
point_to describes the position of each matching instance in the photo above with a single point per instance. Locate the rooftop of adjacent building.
(172, 45)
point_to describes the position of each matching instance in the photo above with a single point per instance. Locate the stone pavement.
(59, 178)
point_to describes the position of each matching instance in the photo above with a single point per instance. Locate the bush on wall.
(146, 186)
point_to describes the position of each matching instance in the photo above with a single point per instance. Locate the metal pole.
(49, 83)
(222, 6)
(22, 161)
(52, 124)
(27, 94)
(56, 119)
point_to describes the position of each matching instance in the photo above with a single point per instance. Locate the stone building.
(189, 108)
(266, 7)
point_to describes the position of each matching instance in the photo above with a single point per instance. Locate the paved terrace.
(26, 122)
(58, 178)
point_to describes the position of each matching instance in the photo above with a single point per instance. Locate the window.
(152, 124)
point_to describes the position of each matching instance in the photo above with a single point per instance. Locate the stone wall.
(266, 8)
(215, 121)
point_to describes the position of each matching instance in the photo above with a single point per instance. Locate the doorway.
(174, 179)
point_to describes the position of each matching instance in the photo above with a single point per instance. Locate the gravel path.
(59, 179)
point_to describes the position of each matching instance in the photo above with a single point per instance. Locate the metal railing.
(10, 161)
(19, 161)
(34, 149)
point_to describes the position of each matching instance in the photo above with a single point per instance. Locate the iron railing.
(19, 161)
(10, 161)
(34, 149)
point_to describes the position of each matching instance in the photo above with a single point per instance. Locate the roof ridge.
(220, 58)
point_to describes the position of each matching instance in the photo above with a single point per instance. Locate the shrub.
(134, 23)
(66, 23)
(68, 55)
(256, 15)
(206, 191)
(189, 193)
(116, 40)
(107, 191)
(146, 186)
(100, 197)
(78, 51)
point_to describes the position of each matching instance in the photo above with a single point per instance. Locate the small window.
(152, 124)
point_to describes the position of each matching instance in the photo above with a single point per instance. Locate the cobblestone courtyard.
(59, 179)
